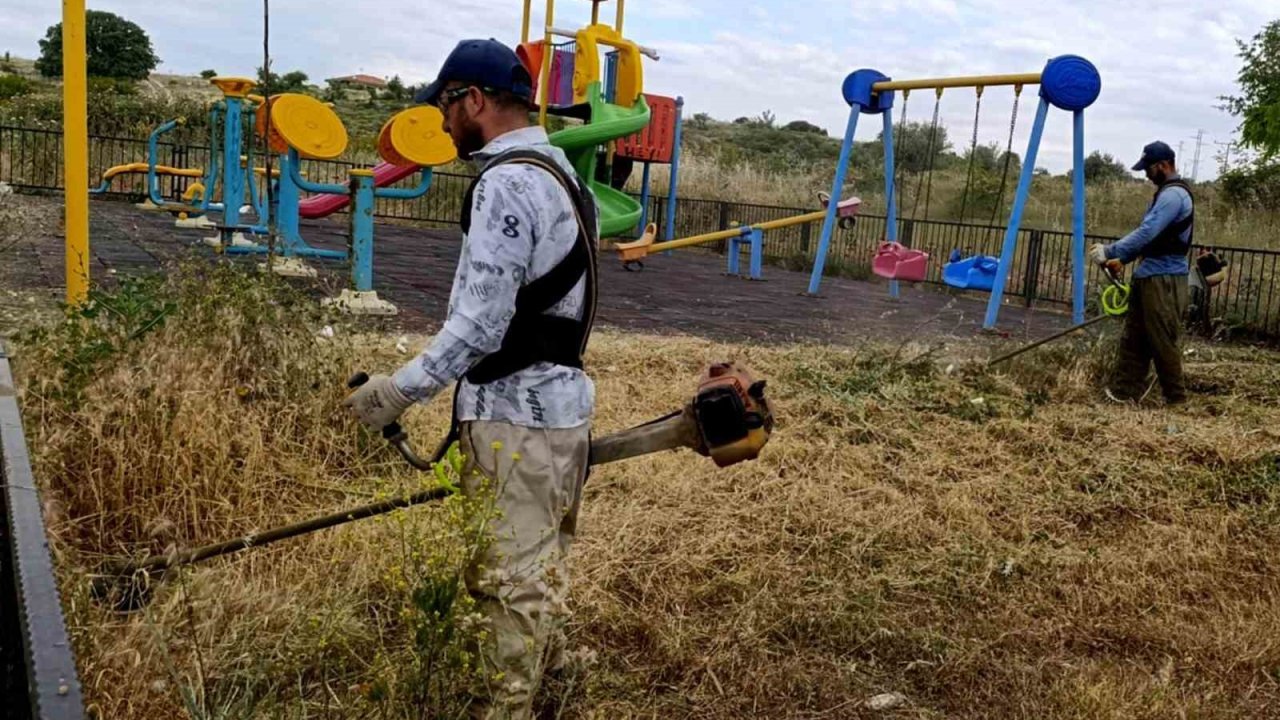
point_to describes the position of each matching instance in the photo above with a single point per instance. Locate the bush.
(1255, 187)
(111, 86)
(208, 74)
(238, 394)
(12, 86)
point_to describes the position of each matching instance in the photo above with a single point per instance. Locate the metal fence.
(1248, 301)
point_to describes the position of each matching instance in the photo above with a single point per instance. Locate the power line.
(1195, 165)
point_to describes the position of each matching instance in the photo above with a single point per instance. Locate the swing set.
(1068, 82)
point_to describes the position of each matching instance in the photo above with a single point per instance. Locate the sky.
(1163, 64)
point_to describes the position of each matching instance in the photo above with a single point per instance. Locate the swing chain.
(973, 152)
(897, 141)
(933, 136)
(1008, 155)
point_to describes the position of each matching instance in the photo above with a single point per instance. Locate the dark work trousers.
(1152, 333)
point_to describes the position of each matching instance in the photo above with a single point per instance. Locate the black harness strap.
(533, 336)
(1169, 242)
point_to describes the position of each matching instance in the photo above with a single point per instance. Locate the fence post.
(723, 224)
(805, 231)
(1031, 274)
(908, 232)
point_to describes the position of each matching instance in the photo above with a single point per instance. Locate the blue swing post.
(1077, 221)
(1015, 218)
(891, 213)
(1071, 83)
(861, 98)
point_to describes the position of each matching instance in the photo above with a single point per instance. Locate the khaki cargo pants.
(521, 582)
(1152, 334)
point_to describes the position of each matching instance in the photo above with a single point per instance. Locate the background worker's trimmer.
(728, 420)
(1114, 303)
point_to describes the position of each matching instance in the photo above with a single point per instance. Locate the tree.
(1101, 167)
(1258, 105)
(911, 145)
(294, 81)
(766, 118)
(702, 121)
(116, 48)
(804, 127)
(395, 88)
(207, 74)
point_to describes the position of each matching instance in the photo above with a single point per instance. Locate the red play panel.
(655, 142)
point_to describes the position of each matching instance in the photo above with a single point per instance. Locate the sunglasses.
(449, 96)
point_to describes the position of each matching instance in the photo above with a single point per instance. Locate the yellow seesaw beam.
(733, 232)
(958, 82)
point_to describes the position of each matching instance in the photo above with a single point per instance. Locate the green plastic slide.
(619, 212)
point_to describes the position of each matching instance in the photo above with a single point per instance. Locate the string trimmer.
(728, 420)
(1114, 303)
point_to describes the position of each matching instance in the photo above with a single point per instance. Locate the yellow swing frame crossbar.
(974, 81)
(733, 232)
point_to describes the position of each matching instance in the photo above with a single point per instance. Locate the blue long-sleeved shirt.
(1173, 205)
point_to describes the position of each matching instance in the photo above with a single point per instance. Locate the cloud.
(1163, 64)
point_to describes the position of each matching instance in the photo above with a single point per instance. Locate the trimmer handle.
(393, 432)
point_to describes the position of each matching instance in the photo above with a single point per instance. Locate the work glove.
(1098, 254)
(377, 403)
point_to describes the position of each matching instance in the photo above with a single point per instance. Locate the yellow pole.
(524, 27)
(618, 24)
(955, 82)
(75, 138)
(546, 63)
(726, 234)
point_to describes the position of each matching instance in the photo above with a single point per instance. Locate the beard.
(469, 138)
(1159, 177)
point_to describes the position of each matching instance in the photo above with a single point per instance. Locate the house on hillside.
(355, 82)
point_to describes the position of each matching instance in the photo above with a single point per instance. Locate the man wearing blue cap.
(1158, 296)
(520, 314)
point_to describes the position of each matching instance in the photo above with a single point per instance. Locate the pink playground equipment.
(898, 262)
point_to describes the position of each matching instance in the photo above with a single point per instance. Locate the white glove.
(1098, 254)
(377, 403)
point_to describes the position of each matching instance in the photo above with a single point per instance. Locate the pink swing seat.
(897, 262)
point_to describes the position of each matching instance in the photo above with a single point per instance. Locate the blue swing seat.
(977, 272)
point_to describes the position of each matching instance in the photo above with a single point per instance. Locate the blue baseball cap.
(485, 63)
(1152, 154)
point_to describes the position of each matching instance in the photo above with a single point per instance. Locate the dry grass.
(989, 545)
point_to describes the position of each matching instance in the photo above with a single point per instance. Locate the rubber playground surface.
(686, 292)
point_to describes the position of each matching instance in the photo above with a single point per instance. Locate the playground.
(687, 293)
(904, 528)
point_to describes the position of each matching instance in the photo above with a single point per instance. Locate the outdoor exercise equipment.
(607, 120)
(226, 177)
(728, 420)
(306, 127)
(750, 236)
(1068, 82)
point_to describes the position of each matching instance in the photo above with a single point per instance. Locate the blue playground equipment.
(977, 272)
(1068, 82)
